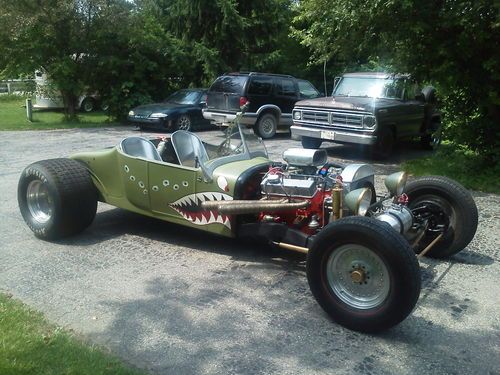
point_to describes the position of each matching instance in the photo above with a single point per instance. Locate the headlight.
(359, 200)
(396, 183)
(297, 115)
(369, 121)
(158, 115)
(131, 113)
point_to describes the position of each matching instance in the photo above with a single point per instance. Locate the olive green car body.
(151, 187)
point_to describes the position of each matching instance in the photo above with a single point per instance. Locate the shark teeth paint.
(189, 207)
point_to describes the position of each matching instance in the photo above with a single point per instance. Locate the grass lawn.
(13, 117)
(31, 345)
(460, 164)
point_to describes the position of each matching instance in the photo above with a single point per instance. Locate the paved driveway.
(177, 301)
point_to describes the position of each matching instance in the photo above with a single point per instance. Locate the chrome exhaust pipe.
(249, 207)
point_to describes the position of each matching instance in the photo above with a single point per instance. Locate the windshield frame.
(250, 145)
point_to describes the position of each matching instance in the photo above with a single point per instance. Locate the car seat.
(140, 147)
(188, 147)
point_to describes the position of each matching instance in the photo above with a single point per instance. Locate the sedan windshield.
(184, 97)
(388, 88)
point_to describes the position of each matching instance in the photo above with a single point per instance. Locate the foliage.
(461, 164)
(13, 117)
(30, 345)
(451, 43)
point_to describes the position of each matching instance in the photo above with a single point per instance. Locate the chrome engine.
(337, 191)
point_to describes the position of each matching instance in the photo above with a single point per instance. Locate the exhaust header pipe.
(249, 207)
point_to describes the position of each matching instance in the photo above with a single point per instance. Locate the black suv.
(271, 96)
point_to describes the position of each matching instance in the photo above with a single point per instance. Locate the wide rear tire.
(448, 205)
(363, 274)
(57, 198)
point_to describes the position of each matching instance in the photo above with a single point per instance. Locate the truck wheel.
(363, 274)
(57, 198)
(87, 105)
(308, 142)
(448, 208)
(385, 144)
(431, 141)
(266, 126)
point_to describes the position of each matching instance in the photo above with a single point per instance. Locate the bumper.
(334, 135)
(157, 123)
(222, 118)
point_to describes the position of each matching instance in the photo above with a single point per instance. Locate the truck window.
(285, 87)
(260, 86)
(307, 90)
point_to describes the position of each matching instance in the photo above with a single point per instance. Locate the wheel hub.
(39, 201)
(358, 276)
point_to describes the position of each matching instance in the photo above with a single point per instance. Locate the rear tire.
(57, 198)
(363, 274)
(88, 105)
(312, 143)
(450, 205)
(183, 123)
(432, 141)
(266, 126)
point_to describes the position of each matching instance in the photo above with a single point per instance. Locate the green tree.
(58, 36)
(451, 43)
(224, 35)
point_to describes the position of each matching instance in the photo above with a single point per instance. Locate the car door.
(171, 187)
(286, 95)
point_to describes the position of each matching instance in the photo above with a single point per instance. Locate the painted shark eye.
(222, 183)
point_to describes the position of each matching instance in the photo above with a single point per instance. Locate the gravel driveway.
(178, 301)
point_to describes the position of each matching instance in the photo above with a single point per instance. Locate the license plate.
(328, 134)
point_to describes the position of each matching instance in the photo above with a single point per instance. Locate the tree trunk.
(70, 101)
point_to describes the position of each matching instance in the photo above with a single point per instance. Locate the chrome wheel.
(358, 276)
(39, 202)
(184, 123)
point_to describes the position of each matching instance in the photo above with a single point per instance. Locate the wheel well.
(271, 111)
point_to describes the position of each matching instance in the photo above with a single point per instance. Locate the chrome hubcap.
(184, 123)
(358, 276)
(39, 201)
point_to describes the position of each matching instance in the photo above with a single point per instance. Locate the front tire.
(266, 126)
(363, 274)
(57, 198)
(448, 208)
(312, 143)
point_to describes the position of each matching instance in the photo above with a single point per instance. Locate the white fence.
(16, 86)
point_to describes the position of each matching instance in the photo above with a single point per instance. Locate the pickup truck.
(374, 109)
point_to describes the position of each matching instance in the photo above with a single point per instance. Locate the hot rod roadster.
(361, 246)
